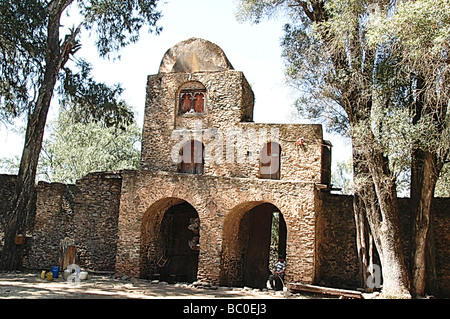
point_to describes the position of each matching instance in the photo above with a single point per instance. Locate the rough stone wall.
(337, 263)
(321, 234)
(220, 203)
(233, 146)
(441, 237)
(224, 97)
(229, 186)
(86, 212)
(7, 187)
(53, 222)
(97, 209)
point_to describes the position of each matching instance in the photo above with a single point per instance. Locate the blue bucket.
(55, 271)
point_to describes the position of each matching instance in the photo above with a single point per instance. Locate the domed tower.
(196, 89)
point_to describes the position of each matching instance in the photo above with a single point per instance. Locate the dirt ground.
(29, 285)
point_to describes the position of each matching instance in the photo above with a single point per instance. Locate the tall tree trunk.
(362, 234)
(378, 190)
(396, 281)
(12, 254)
(364, 205)
(426, 172)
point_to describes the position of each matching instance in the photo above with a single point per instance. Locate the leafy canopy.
(74, 149)
(23, 42)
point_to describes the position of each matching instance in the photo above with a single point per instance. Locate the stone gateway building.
(205, 161)
(217, 198)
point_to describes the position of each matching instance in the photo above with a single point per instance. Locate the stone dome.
(194, 55)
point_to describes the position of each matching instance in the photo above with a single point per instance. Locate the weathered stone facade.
(86, 213)
(337, 264)
(221, 203)
(202, 203)
(230, 183)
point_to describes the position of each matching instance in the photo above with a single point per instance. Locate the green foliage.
(310, 70)
(74, 149)
(116, 23)
(22, 50)
(255, 10)
(443, 183)
(418, 37)
(23, 43)
(90, 101)
(9, 165)
(370, 55)
(341, 177)
(422, 26)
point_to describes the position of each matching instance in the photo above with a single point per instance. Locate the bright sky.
(253, 49)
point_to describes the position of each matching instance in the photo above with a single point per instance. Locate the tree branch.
(305, 8)
(58, 6)
(70, 46)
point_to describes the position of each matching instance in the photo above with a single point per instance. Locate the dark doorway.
(258, 245)
(247, 254)
(180, 239)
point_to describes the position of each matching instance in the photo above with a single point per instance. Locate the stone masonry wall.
(233, 146)
(97, 209)
(336, 239)
(7, 188)
(220, 203)
(441, 237)
(320, 230)
(338, 264)
(54, 221)
(86, 212)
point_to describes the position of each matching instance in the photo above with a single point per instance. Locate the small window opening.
(192, 101)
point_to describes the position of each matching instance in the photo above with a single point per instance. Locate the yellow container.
(49, 276)
(43, 274)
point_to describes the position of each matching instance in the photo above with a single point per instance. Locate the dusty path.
(31, 286)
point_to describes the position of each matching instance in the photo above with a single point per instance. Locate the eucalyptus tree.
(74, 149)
(34, 50)
(417, 36)
(328, 56)
(378, 71)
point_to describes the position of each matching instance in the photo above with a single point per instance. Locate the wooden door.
(192, 158)
(270, 165)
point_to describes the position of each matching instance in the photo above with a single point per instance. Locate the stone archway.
(170, 241)
(247, 235)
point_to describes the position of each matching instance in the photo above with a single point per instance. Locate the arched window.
(192, 98)
(270, 164)
(185, 102)
(192, 158)
(199, 102)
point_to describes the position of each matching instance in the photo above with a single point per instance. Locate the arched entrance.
(170, 241)
(254, 236)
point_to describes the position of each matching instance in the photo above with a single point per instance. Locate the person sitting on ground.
(277, 278)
